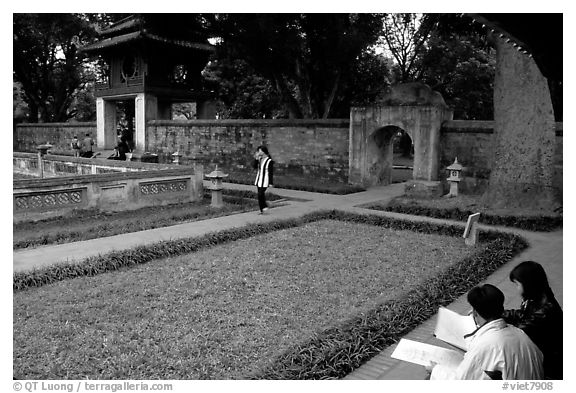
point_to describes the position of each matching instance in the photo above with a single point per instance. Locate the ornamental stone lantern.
(216, 177)
(176, 157)
(42, 151)
(455, 177)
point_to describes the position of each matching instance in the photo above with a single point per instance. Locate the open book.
(451, 328)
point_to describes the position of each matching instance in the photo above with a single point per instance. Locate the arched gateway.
(416, 109)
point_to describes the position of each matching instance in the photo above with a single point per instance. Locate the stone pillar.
(146, 108)
(105, 124)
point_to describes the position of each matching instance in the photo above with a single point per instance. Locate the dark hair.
(533, 279)
(264, 150)
(487, 300)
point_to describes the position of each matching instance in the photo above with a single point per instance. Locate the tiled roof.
(143, 35)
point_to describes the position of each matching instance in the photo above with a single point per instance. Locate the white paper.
(451, 327)
(422, 354)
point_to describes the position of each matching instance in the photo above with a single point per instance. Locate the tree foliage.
(47, 63)
(459, 62)
(405, 36)
(242, 92)
(305, 57)
(448, 53)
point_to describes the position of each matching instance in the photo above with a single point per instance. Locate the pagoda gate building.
(152, 61)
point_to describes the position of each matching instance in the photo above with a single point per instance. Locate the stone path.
(545, 248)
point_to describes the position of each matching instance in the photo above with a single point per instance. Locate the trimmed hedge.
(311, 186)
(535, 223)
(242, 194)
(336, 351)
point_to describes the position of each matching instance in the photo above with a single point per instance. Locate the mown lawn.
(223, 312)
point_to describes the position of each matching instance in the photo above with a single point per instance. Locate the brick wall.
(59, 135)
(471, 142)
(318, 148)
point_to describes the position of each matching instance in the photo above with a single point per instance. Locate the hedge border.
(115, 260)
(536, 223)
(337, 351)
(343, 189)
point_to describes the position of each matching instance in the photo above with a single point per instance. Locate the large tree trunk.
(524, 134)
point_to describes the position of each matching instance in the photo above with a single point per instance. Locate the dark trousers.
(262, 198)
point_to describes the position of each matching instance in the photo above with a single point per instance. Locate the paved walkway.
(545, 248)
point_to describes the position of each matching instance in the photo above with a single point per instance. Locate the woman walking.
(540, 315)
(264, 176)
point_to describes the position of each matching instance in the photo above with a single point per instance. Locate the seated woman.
(120, 150)
(539, 316)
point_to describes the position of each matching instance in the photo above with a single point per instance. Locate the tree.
(368, 81)
(524, 132)
(305, 57)
(459, 62)
(19, 108)
(47, 63)
(405, 36)
(243, 93)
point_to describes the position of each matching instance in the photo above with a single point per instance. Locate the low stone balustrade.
(112, 187)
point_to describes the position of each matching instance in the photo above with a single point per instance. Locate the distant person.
(264, 176)
(87, 144)
(75, 145)
(539, 316)
(121, 149)
(496, 350)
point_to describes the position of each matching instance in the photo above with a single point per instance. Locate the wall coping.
(98, 161)
(56, 125)
(343, 123)
(480, 126)
(411, 105)
(28, 184)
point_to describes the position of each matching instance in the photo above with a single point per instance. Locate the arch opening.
(390, 155)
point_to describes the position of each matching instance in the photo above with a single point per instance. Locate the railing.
(141, 80)
(128, 82)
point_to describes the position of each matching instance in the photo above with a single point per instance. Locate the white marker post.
(471, 232)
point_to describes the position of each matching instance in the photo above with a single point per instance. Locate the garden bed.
(84, 225)
(459, 208)
(308, 298)
(300, 183)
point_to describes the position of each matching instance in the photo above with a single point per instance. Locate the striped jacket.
(264, 176)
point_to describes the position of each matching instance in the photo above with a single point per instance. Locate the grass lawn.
(84, 225)
(222, 312)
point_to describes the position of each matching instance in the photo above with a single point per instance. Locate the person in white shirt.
(496, 350)
(264, 176)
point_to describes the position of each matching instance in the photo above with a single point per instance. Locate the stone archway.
(380, 155)
(416, 109)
